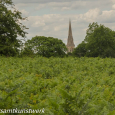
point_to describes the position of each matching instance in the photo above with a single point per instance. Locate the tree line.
(99, 40)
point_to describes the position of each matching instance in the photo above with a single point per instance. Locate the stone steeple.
(70, 44)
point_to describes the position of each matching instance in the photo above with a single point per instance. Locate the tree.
(10, 28)
(100, 40)
(90, 31)
(80, 50)
(27, 52)
(27, 49)
(46, 46)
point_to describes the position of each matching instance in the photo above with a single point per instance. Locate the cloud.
(113, 6)
(113, 1)
(59, 4)
(67, 5)
(46, 1)
(40, 6)
(24, 13)
(107, 16)
(91, 15)
(64, 4)
(20, 6)
(51, 17)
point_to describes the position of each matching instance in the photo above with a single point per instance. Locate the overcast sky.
(51, 17)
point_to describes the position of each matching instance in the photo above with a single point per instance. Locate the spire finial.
(70, 30)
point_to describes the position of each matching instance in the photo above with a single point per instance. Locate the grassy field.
(62, 86)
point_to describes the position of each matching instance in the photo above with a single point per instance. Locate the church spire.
(70, 30)
(70, 43)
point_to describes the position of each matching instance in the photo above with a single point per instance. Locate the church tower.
(70, 44)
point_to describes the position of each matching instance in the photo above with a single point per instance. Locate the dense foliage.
(45, 46)
(80, 50)
(10, 28)
(62, 86)
(99, 41)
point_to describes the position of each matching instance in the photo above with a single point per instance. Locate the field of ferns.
(62, 86)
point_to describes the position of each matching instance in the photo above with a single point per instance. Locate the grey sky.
(51, 17)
